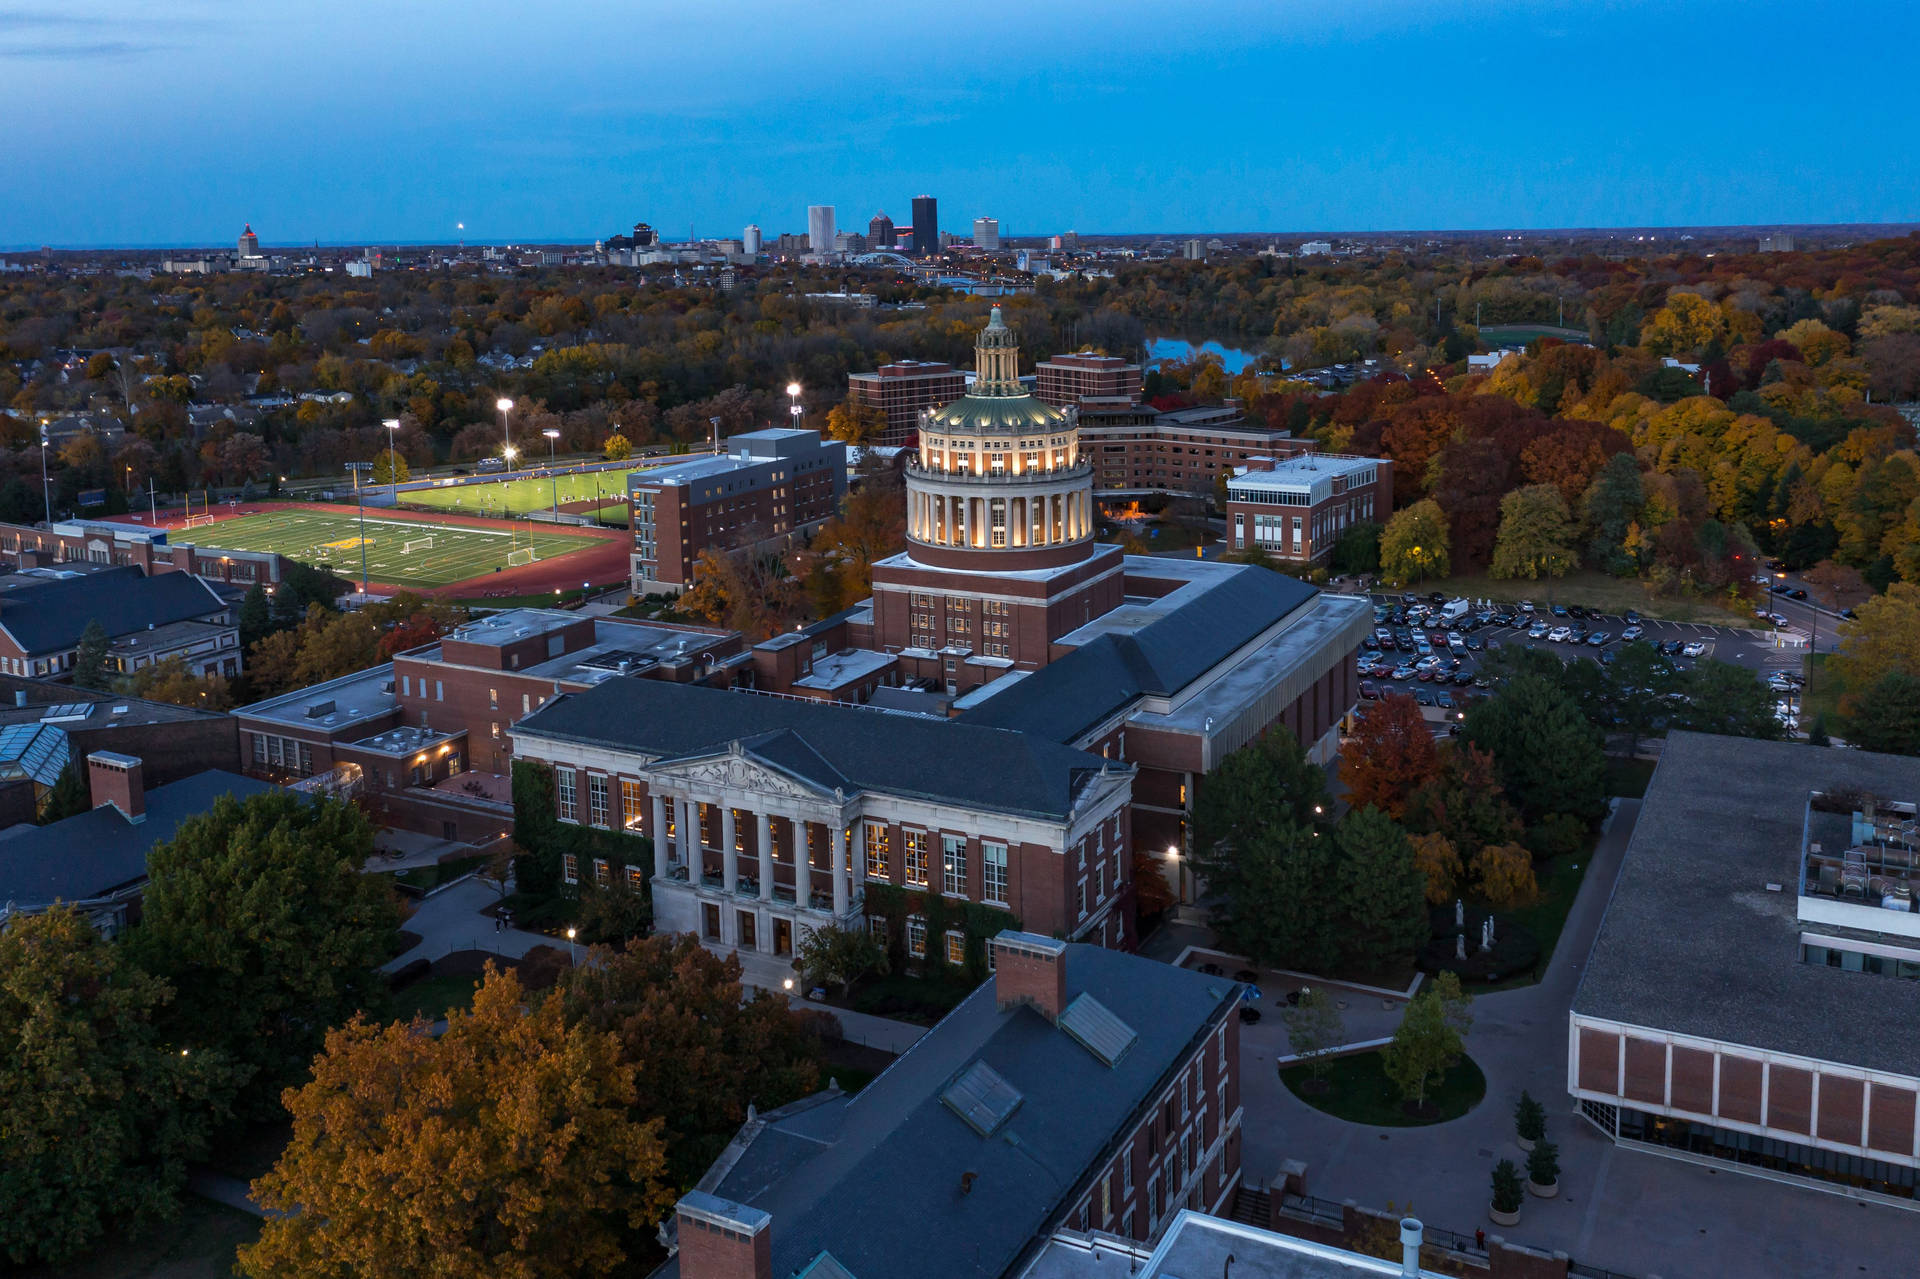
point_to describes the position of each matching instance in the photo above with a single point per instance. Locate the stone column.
(729, 863)
(802, 873)
(763, 833)
(842, 890)
(659, 832)
(685, 837)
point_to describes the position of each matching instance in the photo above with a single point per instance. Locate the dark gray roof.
(1693, 943)
(897, 1150)
(49, 617)
(829, 745)
(1067, 697)
(99, 852)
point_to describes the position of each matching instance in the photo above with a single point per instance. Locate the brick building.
(149, 550)
(771, 815)
(1753, 996)
(769, 488)
(904, 391)
(1084, 378)
(1137, 451)
(1296, 508)
(45, 611)
(1078, 1089)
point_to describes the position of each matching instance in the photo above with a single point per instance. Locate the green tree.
(100, 1113)
(90, 658)
(1358, 549)
(702, 1050)
(1269, 781)
(1887, 716)
(69, 796)
(506, 1148)
(1547, 756)
(1415, 545)
(1379, 894)
(1608, 509)
(1430, 1038)
(1314, 1028)
(839, 956)
(257, 913)
(1269, 895)
(256, 616)
(1719, 697)
(1636, 693)
(1536, 534)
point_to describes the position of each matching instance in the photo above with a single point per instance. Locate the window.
(633, 804)
(493, 699)
(877, 851)
(877, 928)
(636, 879)
(1106, 1200)
(916, 937)
(602, 873)
(993, 886)
(1126, 1224)
(956, 947)
(1126, 1175)
(953, 865)
(916, 858)
(597, 800)
(1153, 1200)
(567, 805)
(569, 868)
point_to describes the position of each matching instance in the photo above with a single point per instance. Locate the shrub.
(1529, 1117)
(1543, 1164)
(1508, 1192)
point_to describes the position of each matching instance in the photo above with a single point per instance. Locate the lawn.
(1612, 595)
(399, 551)
(1559, 881)
(1628, 778)
(197, 1244)
(425, 877)
(1358, 1091)
(431, 997)
(1823, 693)
(510, 497)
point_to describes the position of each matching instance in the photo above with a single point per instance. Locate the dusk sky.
(351, 121)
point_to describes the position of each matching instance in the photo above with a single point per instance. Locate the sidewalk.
(451, 921)
(770, 972)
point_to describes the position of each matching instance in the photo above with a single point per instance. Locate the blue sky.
(174, 123)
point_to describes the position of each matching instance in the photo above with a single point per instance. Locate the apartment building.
(903, 391)
(1137, 451)
(1295, 508)
(1086, 378)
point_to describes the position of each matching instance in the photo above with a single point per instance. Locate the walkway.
(452, 920)
(1638, 1213)
(771, 972)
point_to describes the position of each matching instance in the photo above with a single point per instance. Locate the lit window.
(569, 868)
(632, 804)
(567, 803)
(877, 851)
(636, 879)
(916, 858)
(602, 873)
(953, 865)
(917, 937)
(956, 947)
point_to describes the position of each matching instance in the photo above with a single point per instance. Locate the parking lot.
(1486, 625)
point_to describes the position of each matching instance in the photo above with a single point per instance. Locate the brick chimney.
(1030, 969)
(113, 778)
(720, 1239)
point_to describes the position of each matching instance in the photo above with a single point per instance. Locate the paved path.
(451, 921)
(1627, 1210)
(770, 972)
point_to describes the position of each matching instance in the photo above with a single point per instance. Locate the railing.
(1077, 470)
(1321, 1210)
(1575, 1269)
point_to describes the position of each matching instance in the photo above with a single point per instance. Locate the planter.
(1499, 1218)
(1525, 1143)
(1547, 1191)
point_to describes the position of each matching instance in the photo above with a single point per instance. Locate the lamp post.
(793, 394)
(506, 436)
(553, 437)
(46, 489)
(356, 468)
(393, 466)
(573, 954)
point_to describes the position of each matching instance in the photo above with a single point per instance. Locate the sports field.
(516, 497)
(400, 552)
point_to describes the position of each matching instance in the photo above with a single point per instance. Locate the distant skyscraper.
(249, 243)
(926, 226)
(644, 236)
(820, 229)
(986, 233)
(750, 240)
(880, 231)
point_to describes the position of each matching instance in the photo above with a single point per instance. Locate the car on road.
(1632, 632)
(1559, 634)
(1598, 638)
(1694, 648)
(1780, 623)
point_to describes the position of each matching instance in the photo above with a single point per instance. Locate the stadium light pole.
(552, 437)
(506, 435)
(46, 489)
(393, 467)
(356, 468)
(793, 409)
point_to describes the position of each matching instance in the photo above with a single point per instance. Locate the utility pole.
(356, 468)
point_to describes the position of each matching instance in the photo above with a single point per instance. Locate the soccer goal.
(199, 521)
(417, 544)
(523, 556)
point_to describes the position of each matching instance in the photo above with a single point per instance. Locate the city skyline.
(1358, 117)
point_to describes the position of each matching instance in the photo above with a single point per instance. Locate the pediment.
(739, 772)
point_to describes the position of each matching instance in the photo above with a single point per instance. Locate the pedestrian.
(496, 922)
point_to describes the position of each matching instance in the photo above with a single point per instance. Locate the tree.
(611, 912)
(256, 616)
(100, 1114)
(1608, 510)
(1268, 782)
(1464, 801)
(1379, 895)
(1429, 1039)
(1536, 534)
(389, 467)
(702, 1051)
(1358, 549)
(1389, 754)
(507, 1146)
(854, 422)
(1268, 891)
(1505, 876)
(1837, 586)
(1887, 716)
(172, 682)
(616, 447)
(1314, 1028)
(1884, 637)
(1719, 697)
(257, 913)
(1435, 857)
(839, 956)
(1153, 896)
(1686, 323)
(1415, 544)
(1546, 754)
(90, 658)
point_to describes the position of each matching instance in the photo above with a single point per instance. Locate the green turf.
(457, 554)
(516, 497)
(1359, 1092)
(431, 997)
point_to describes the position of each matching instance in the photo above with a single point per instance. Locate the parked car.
(1402, 673)
(1368, 691)
(1559, 634)
(1461, 679)
(1575, 611)
(1631, 618)
(1632, 633)
(1598, 638)
(1606, 656)
(1537, 631)
(1443, 699)
(1424, 696)
(1673, 648)
(1694, 648)
(1577, 635)
(1476, 645)
(1559, 610)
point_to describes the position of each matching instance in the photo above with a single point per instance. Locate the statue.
(1460, 946)
(1459, 913)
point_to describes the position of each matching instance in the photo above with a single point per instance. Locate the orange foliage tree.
(1505, 872)
(1389, 755)
(1437, 859)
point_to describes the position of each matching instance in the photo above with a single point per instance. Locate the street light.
(356, 468)
(793, 393)
(393, 466)
(46, 489)
(573, 953)
(505, 406)
(553, 436)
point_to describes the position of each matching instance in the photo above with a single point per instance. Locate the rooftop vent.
(317, 709)
(1095, 1028)
(981, 1097)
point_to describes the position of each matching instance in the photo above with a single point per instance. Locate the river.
(1233, 359)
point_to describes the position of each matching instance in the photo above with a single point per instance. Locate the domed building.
(1001, 559)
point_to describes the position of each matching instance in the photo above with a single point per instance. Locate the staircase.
(1252, 1206)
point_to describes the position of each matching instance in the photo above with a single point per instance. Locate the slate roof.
(1065, 698)
(49, 617)
(99, 851)
(875, 1179)
(1693, 943)
(827, 744)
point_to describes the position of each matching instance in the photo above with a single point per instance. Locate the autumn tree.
(1685, 324)
(100, 1111)
(1415, 545)
(616, 447)
(702, 1050)
(1884, 637)
(1389, 754)
(1153, 896)
(1435, 857)
(855, 422)
(752, 594)
(174, 682)
(1463, 800)
(256, 911)
(1503, 875)
(390, 467)
(1536, 534)
(510, 1145)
